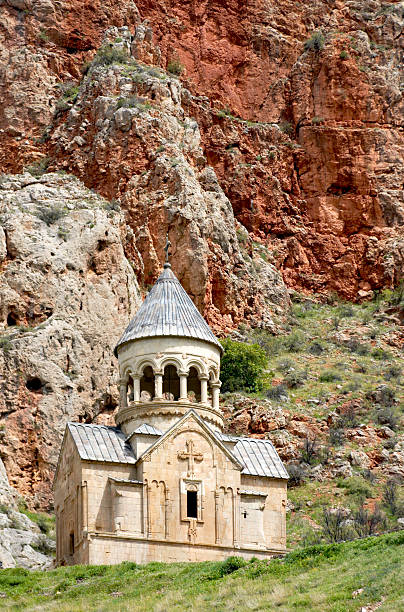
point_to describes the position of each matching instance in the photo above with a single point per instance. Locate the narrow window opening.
(245, 514)
(192, 504)
(71, 543)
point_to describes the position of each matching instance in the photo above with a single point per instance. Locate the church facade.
(166, 484)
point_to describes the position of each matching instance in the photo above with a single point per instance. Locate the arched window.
(194, 385)
(147, 383)
(129, 390)
(171, 383)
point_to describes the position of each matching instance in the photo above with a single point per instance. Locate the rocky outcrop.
(298, 109)
(67, 292)
(128, 130)
(21, 540)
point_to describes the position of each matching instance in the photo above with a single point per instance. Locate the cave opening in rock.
(12, 319)
(34, 384)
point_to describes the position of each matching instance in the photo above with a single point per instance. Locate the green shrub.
(336, 435)
(50, 215)
(297, 474)
(315, 42)
(243, 366)
(356, 487)
(134, 102)
(5, 343)
(175, 67)
(70, 92)
(277, 392)
(393, 371)
(379, 353)
(316, 348)
(295, 378)
(344, 54)
(357, 347)
(295, 342)
(106, 56)
(231, 564)
(386, 416)
(39, 167)
(329, 376)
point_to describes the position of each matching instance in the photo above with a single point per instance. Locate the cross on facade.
(191, 455)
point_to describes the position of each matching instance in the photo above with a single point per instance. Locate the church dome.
(169, 361)
(168, 311)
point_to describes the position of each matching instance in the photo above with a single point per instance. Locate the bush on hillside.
(231, 564)
(106, 56)
(315, 42)
(243, 366)
(297, 474)
(295, 378)
(277, 392)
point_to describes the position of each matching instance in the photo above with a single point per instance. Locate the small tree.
(243, 366)
(367, 523)
(309, 450)
(334, 524)
(390, 496)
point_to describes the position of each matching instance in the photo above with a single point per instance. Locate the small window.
(71, 543)
(192, 504)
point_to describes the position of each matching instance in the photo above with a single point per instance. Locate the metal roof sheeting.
(108, 444)
(101, 443)
(259, 457)
(148, 430)
(168, 311)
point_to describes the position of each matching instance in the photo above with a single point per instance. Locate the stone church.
(166, 484)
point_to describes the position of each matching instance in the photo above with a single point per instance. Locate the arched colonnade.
(171, 380)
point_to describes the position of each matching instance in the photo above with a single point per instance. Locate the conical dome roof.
(168, 311)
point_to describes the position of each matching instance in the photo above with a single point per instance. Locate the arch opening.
(171, 383)
(194, 386)
(129, 391)
(147, 384)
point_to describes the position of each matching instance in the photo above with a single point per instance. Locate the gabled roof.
(259, 457)
(192, 414)
(108, 444)
(168, 311)
(101, 443)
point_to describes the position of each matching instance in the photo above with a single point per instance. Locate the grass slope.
(321, 577)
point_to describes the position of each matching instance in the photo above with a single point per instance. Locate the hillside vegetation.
(332, 402)
(338, 578)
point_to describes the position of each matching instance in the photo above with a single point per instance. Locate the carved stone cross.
(191, 455)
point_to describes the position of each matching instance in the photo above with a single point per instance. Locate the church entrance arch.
(171, 383)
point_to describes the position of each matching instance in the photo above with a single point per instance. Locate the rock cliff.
(298, 109)
(265, 138)
(66, 294)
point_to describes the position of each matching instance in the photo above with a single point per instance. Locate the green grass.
(316, 578)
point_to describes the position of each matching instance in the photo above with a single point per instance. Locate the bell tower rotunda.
(169, 361)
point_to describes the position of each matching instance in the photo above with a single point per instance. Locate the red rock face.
(313, 170)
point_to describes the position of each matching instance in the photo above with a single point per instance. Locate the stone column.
(215, 394)
(123, 393)
(136, 387)
(204, 389)
(158, 385)
(183, 386)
